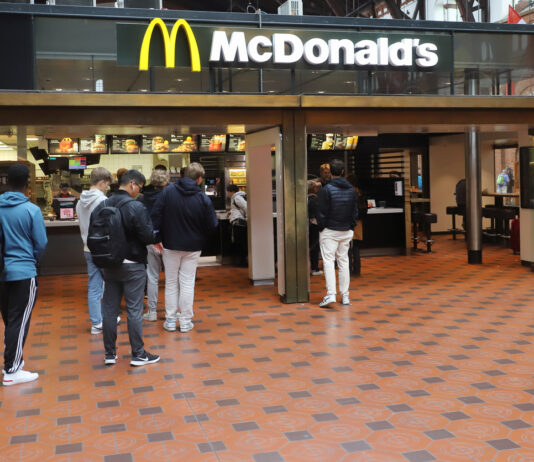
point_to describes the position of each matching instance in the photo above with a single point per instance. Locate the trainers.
(186, 327)
(327, 301)
(150, 316)
(317, 273)
(169, 325)
(147, 358)
(110, 359)
(96, 328)
(21, 376)
(345, 300)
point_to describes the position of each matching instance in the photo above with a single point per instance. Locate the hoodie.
(183, 216)
(24, 236)
(338, 205)
(85, 206)
(238, 210)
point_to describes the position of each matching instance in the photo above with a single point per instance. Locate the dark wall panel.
(16, 52)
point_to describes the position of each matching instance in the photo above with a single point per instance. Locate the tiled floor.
(433, 361)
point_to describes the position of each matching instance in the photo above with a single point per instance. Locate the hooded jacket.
(238, 208)
(338, 205)
(24, 236)
(183, 216)
(87, 203)
(150, 197)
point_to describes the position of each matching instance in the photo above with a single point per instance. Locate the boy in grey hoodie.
(100, 181)
(24, 242)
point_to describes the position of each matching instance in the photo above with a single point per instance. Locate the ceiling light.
(143, 89)
(59, 89)
(32, 138)
(320, 91)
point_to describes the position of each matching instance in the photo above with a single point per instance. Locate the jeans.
(129, 280)
(95, 290)
(335, 246)
(180, 272)
(154, 267)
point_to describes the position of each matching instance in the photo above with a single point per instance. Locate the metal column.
(472, 170)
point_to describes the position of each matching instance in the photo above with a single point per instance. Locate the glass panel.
(506, 170)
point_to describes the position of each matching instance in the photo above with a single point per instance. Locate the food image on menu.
(188, 145)
(66, 145)
(216, 143)
(328, 143)
(160, 144)
(99, 145)
(131, 146)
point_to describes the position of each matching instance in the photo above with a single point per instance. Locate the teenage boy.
(128, 279)
(184, 216)
(100, 180)
(24, 242)
(337, 217)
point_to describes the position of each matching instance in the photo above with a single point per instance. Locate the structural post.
(472, 170)
(21, 143)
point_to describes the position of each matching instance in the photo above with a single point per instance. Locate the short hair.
(194, 171)
(120, 172)
(232, 188)
(311, 186)
(18, 176)
(100, 174)
(64, 185)
(160, 167)
(159, 178)
(324, 166)
(337, 167)
(132, 175)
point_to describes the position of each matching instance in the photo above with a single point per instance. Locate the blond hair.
(159, 178)
(100, 173)
(194, 171)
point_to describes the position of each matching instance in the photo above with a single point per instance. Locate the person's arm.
(323, 200)
(241, 204)
(354, 216)
(156, 214)
(38, 235)
(211, 220)
(142, 223)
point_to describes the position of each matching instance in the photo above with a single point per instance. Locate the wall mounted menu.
(124, 144)
(316, 141)
(63, 146)
(331, 142)
(236, 143)
(345, 143)
(172, 143)
(96, 145)
(184, 143)
(214, 143)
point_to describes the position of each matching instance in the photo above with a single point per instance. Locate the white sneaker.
(327, 301)
(317, 273)
(187, 327)
(150, 316)
(20, 376)
(170, 326)
(345, 300)
(96, 328)
(110, 359)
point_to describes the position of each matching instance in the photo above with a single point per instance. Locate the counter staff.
(24, 242)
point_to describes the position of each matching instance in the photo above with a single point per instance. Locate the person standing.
(101, 178)
(337, 217)
(158, 180)
(238, 221)
(183, 217)
(325, 175)
(313, 228)
(129, 278)
(502, 182)
(25, 241)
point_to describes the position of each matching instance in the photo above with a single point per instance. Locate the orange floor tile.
(434, 360)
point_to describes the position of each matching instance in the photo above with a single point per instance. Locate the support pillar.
(473, 179)
(22, 147)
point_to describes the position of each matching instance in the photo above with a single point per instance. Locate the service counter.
(64, 252)
(383, 232)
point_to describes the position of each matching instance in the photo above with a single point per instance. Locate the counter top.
(381, 210)
(61, 223)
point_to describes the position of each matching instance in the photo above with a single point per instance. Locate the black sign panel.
(98, 144)
(213, 143)
(236, 143)
(63, 146)
(124, 144)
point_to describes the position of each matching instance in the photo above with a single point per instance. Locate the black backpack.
(106, 238)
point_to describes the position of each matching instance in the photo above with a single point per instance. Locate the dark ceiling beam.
(365, 9)
(466, 10)
(394, 9)
(335, 7)
(420, 10)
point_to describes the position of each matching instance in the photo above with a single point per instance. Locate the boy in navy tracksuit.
(24, 243)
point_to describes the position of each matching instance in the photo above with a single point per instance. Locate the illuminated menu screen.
(236, 143)
(123, 144)
(214, 143)
(96, 145)
(63, 146)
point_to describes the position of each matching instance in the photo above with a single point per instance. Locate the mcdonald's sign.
(169, 44)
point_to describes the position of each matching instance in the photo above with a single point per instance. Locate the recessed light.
(179, 80)
(143, 89)
(32, 138)
(320, 91)
(59, 89)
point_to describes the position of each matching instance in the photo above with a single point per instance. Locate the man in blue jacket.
(183, 216)
(337, 217)
(24, 243)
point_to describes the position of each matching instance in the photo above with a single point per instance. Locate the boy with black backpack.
(119, 231)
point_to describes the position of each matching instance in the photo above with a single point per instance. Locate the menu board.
(214, 143)
(316, 141)
(331, 142)
(345, 143)
(63, 146)
(124, 144)
(96, 145)
(236, 143)
(173, 143)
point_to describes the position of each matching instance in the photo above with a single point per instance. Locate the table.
(499, 197)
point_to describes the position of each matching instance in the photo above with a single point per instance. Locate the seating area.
(421, 223)
(455, 210)
(499, 230)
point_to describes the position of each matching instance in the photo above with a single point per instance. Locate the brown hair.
(194, 171)
(99, 174)
(159, 178)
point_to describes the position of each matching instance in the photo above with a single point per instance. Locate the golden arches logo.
(169, 44)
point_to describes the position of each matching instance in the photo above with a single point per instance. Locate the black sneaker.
(147, 358)
(110, 359)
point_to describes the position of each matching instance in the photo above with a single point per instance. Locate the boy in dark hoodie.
(24, 243)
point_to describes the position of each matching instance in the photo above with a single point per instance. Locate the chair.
(423, 221)
(455, 210)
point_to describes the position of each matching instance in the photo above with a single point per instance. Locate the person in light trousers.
(337, 217)
(158, 180)
(183, 218)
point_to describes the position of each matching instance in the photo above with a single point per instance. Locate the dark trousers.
(127, 280)
(240, 235)
(17, 299)
(354, 258)
(314, 247)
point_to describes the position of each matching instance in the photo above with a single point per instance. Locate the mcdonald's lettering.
(169, 44)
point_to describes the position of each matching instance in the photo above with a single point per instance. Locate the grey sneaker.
(110, 359)
(327, 301)
(150, 316)
(317, 273)
(186, 327)
(170, 326)
(345, 300)
(96, 329)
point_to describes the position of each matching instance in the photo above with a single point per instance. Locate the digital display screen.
(63, 146)
(96, 145)
(236, 143)
(124, 144)
(77, 163)
(214, 143)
